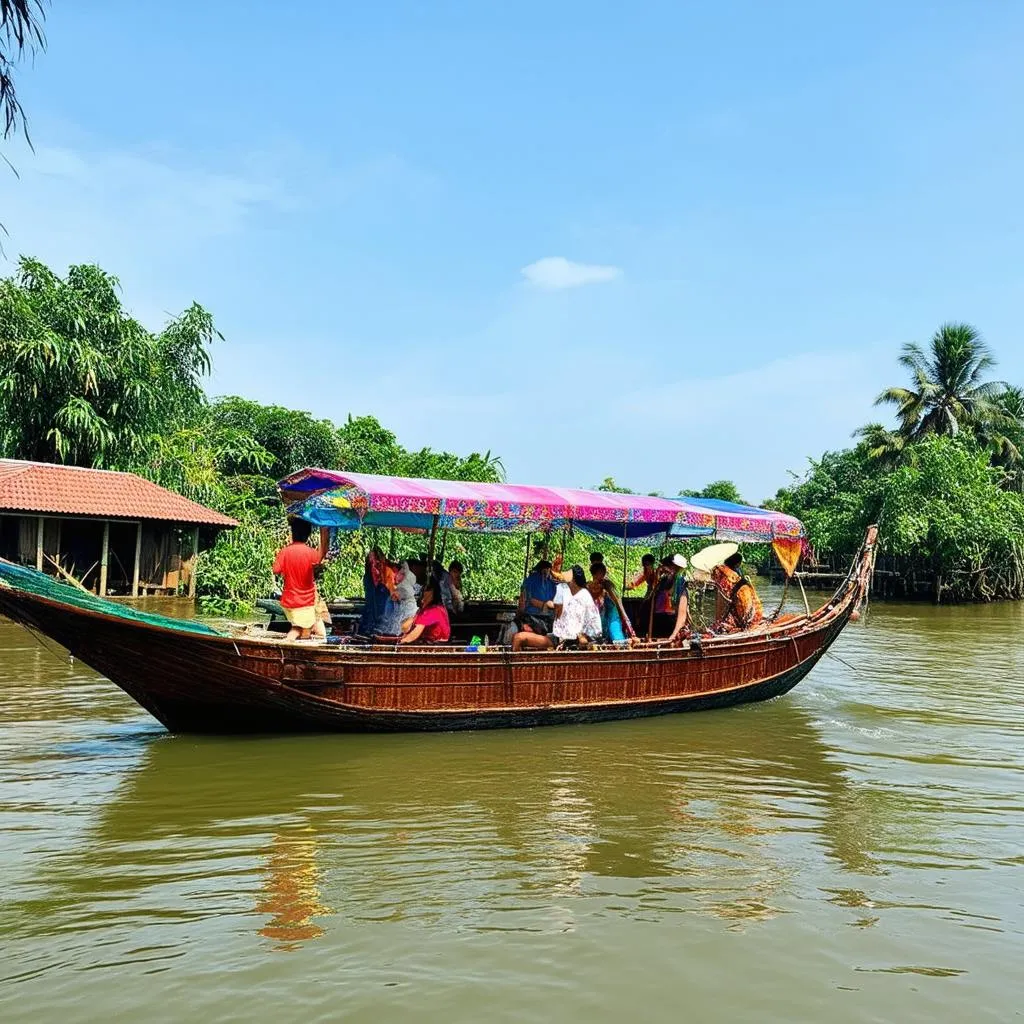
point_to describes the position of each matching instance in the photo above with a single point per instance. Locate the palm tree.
(949, 391)
(885, 446)
(1007, 442)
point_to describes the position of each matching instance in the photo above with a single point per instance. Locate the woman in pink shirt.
(430, 625)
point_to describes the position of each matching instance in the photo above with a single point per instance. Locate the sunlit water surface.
(853, 851)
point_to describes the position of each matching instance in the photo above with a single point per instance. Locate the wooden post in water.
(138, 559)
(39, 544)
(104, 557)
(195, 561)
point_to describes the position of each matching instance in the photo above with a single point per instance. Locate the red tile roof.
(100, 493)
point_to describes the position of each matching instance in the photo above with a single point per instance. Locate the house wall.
(76, 544)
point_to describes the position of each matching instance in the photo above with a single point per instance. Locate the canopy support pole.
(526, 563)
(625, 534)
(444, 544)
(803, 594)
(433, 544)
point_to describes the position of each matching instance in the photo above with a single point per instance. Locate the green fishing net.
(31, 581)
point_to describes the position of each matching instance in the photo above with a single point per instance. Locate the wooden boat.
(193, 678)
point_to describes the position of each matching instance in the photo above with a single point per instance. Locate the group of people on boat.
(412, 601)
(401, 600)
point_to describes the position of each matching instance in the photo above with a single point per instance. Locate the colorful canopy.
(353, 500)
(740, 523)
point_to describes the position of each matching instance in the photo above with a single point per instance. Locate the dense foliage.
(82, 381)
(944, 486)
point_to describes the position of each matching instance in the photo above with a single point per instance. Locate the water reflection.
(291, 890)
(692, 814)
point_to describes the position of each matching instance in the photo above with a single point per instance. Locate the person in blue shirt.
(537, 590)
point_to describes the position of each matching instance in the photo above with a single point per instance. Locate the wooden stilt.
(104, 558)
(39, 543)
(195, 560)
(138, 560)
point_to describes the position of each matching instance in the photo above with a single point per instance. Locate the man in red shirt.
(295, 564)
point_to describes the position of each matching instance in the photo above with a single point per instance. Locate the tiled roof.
(74, 491)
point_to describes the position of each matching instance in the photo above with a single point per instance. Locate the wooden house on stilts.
(113, 533)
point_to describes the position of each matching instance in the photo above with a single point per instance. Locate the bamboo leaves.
(84, 382)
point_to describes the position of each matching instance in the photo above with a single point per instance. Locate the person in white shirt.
(579, 621)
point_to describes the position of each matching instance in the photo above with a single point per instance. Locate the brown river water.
(853, 851)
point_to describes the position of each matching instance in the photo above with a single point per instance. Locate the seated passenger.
(538, 591)
(458, 605)
(579, 623)
(670, 595)
(430, 625)
(615, 624)
(375, 592)
(438, 571)
(532, 634)
(737, 606)
(400, 606)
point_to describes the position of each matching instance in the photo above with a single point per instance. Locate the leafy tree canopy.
(294, 439)
(609, 485)
(84, 383)
(723, 490)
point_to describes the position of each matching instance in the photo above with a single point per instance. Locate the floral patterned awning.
(353, 500)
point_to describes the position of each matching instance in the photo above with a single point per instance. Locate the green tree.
(84, 383)
(294, 439)
(368, 447)
(942, 509)
(609, 485)
(949, 389)
(884, 445)
(1007, 442)
(723, 490)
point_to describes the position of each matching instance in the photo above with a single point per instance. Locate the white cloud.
(553, 273)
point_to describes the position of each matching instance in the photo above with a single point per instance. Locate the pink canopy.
(333, 498)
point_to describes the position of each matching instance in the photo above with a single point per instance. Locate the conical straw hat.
(707, 558)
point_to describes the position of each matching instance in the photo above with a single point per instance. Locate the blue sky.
(667, 243)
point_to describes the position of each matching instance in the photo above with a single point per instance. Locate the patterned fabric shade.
(353, 500)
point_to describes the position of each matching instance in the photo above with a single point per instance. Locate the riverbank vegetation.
(945, 486)
(85, 383)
